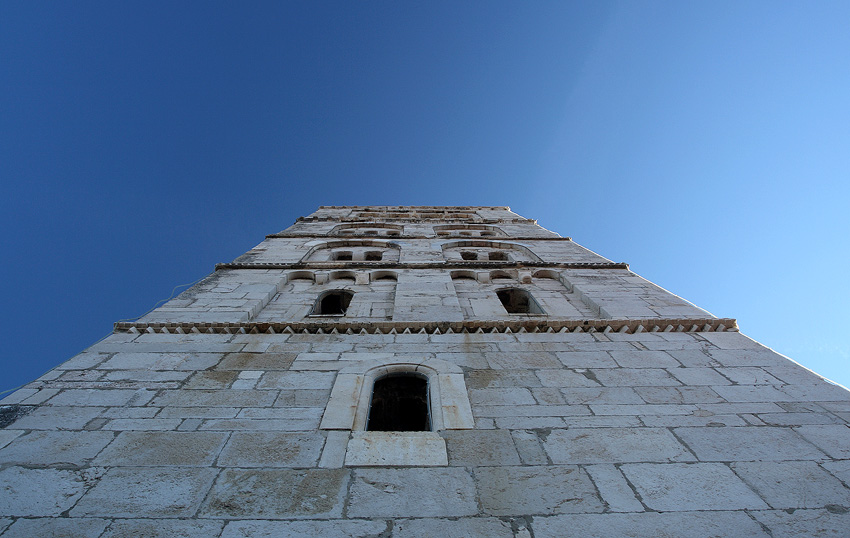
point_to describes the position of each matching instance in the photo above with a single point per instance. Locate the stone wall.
(225, 431)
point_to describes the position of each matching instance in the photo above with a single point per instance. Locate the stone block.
(676, 487)
(565, 378)
(478, 527)
(333, 454)
(256, 361)
(396, 449)
(747, 443)
(749, 375)
(635, 377)
(39, 492)
(297, 380)
(793, 484)
(475, 448)
(506, 491)
(678, 395)
(57, 418)
(141, 492)
(100, 397)
(413, 492)
(644, 359)
(160, 449)
(271, 449)
(277, 494)
(7, 436)
(271, 424)
(215, 398)
(55, 447)
(834, 440)
(332, 528)
(830, 523)
(165, 528)
(714, 524)
(601, 395)
(698, 376)
(612, 486)
(505, 396)
(57, 528)
(161, 361)
(614, 445)
(142, 424)
(211, 379)
(586, 359)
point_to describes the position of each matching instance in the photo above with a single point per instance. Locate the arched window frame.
(351, 396)
(317, 309)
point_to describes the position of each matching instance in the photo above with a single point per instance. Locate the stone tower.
(425, 371)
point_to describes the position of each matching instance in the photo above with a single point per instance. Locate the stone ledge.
(421, 265)
(629, 326)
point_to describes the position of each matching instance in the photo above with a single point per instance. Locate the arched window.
(517, 301)
(399, 404)
(332, 303)
(373, 256)
(498, 256)
(344, 255)
(466, 255)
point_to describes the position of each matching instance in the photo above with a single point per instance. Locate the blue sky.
(705, 143)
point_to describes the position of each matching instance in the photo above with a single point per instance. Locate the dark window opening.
(486, 234)
(399, 404)
(392, 232)
(469, 255)
(518, 301)
(333, 303)
(370, 232)
(374, 256)
(498, 256)
(342, 256)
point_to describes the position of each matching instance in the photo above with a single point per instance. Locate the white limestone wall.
(597, 435)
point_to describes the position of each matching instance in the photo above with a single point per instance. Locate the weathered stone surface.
(614, 445)
(834, 440)
(612, 486)
(159, 449)
(171, 528)
(207, 430)
(829, 523)
(414, 492)
(7, 436)
(57, 528)
(793, 484)
(676, 487)
(747, 443)
(479, 527)
(277, 494)
(38, 492)
(51, 447)
(506, 491)
(215, 398)
(58, 418)
(271, 449)
(396, 449)
(147, 492)
(672, 524)
(480, 447)
(332, 528)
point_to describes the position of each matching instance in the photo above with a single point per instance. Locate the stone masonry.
(566, 396)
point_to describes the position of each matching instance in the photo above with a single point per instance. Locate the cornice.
(339, 326)
(497, 238)
(419, 265)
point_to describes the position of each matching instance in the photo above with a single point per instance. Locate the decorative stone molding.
(629, 326)
(420, 265)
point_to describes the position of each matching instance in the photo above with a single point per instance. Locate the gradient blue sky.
(705, 143)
